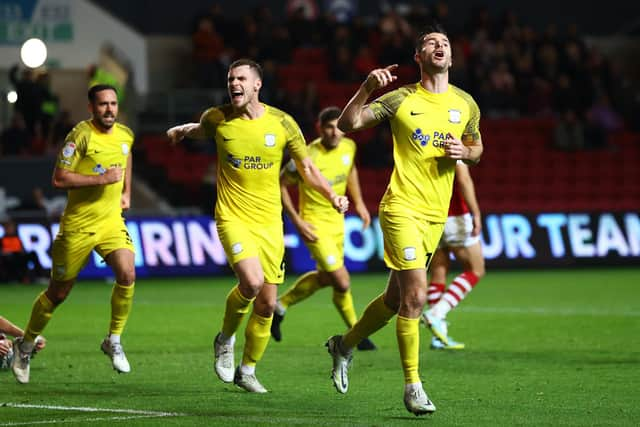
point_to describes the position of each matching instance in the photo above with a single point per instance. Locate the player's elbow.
(345, 125)
(57, 183)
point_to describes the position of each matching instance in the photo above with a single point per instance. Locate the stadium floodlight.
(33, 53)
(12, 96)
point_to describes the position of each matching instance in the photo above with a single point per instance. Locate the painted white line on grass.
(78, 420)
(550, 311)
(133, 413)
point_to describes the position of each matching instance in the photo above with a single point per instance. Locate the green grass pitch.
(555, 347)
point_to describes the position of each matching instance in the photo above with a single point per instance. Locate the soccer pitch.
(555, 347)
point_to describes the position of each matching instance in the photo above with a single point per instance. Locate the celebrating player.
(94, 166)
(321, 228)
(429, 120)
(251, 139)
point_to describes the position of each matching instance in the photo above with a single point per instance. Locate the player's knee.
(57, 295)
(415, 299)
(126, 277)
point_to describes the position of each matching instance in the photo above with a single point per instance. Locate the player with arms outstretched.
(251, 138)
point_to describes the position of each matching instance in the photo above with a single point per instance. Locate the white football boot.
(224, 361)
(20, 365)
(248, 382)
(341, 363)
(116, 354)
(417, 402)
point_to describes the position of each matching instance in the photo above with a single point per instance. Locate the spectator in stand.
(208, 47)
(53, 207)
(61, 128)
(15, 139)
(29, 95)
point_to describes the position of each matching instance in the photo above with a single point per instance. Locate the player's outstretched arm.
(356, 115)
(9, 328)
(187, 130)
(312, 176)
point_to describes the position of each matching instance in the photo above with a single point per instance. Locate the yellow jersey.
(421, 122)
(335, 165)
(89, 151)
(250, 156)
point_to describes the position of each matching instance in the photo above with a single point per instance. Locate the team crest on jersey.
(125, 148)
(409, 253)
(269, 140)
(68, 149)
(346, 160)
(455, 116)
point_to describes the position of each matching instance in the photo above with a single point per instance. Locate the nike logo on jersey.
(225, 139)
(413, 113)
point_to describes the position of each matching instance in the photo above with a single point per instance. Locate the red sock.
(434, 293)
(460, 287)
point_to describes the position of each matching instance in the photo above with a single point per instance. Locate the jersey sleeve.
(294, 138)
(386, 106)
(210, 120)
(74, 149)
(472, 130)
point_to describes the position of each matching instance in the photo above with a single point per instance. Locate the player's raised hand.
(380, 77)
(177, 133)
(113, 174)
(340, 203)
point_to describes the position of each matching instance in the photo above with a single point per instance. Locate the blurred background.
(557, 84)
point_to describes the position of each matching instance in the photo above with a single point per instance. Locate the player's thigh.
(266, 242)
(115, 246)
(439, 266)
(408, 243)
(328, 250)
(69, 254)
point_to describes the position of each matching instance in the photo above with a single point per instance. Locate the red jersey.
(457, 206)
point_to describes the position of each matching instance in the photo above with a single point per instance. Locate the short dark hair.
(328, 114)
(432, 28)
(250, 62)
(99, 88)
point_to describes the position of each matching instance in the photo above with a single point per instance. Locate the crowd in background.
(510, 68)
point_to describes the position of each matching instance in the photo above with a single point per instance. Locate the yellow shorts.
(265, 241)
(328, 250)
(409, 242)
(71, 249)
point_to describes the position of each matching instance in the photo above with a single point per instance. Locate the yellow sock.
(408, 333)
(375, 316)
(344, 303)
(257, 335)
(237, 306)
(303, 288)
(121, 302)
(40, 314)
